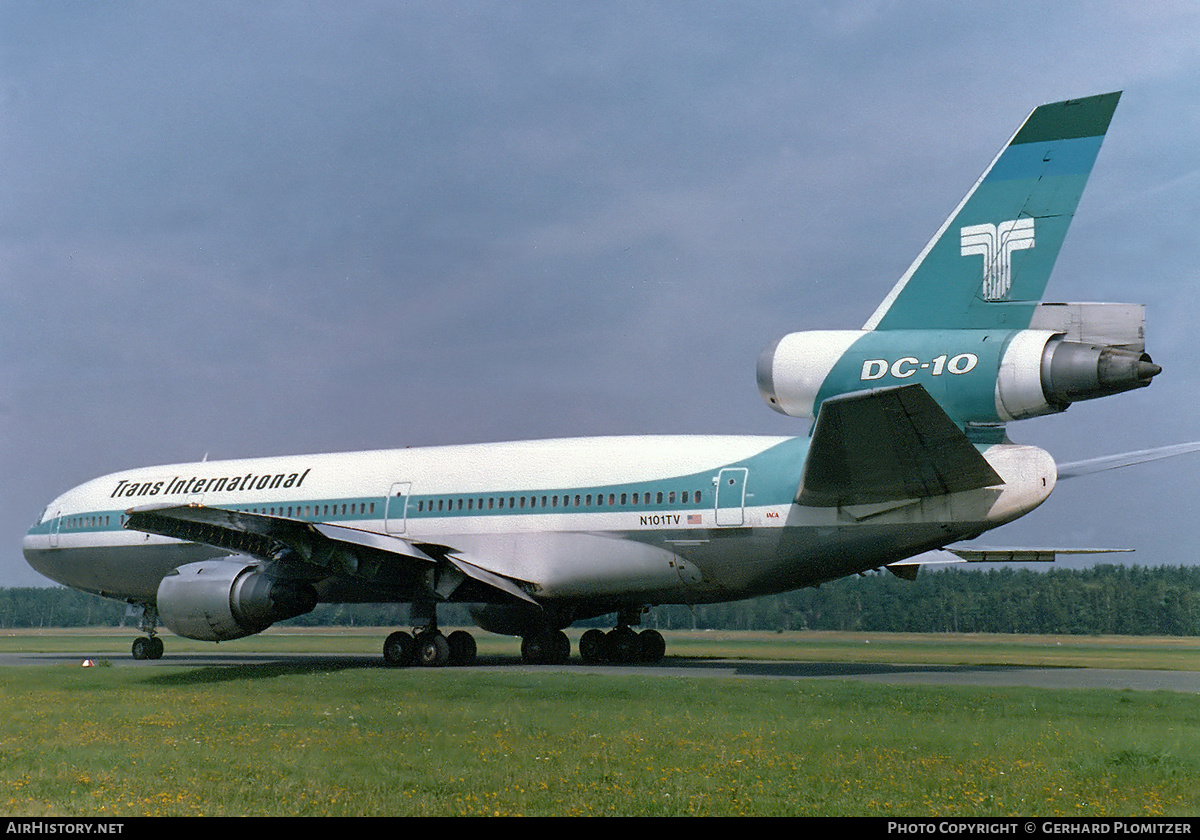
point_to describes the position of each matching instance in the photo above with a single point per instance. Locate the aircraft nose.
(38, 552)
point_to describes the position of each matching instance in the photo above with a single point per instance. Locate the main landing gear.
(149, 646)
(622, 645)
(427, 646)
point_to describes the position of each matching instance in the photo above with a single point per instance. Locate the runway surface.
(970, 675)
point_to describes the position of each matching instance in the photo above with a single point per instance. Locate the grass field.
(282, 739)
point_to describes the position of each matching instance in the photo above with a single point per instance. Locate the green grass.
(283, 739)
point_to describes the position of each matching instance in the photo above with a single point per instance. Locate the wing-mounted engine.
(228, 598)
(1069, 353)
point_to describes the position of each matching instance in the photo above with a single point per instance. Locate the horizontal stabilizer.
(909, 567)
(888, 444)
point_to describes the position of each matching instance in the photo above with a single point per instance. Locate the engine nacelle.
(228, 598)
(1042, 373)
(978, 376)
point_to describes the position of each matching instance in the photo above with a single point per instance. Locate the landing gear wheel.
(533, 649)
(433, 650)
(549, 648)
(591, 646)
(147, 647)
(651, 646)
(622, 643)
(462, 648)
(562, 652)
(399, 649)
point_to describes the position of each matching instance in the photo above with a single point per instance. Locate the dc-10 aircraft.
(908, 453)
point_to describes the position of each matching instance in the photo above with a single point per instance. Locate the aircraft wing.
(392, 565)
(1074, 469)
(909, 567)
(888, 444)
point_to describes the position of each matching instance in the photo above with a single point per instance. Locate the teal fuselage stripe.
(772, 479)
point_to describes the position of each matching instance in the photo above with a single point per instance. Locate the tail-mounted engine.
(228, 598)
(1070, 352)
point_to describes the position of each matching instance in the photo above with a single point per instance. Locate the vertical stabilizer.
(988, 265)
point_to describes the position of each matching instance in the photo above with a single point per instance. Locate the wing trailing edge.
(395, 566)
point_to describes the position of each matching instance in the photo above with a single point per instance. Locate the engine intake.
(228, 598)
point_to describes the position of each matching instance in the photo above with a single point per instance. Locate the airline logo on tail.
(995, 243)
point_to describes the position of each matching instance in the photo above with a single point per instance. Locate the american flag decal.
(694, 519)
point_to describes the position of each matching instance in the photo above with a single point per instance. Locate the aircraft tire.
(651, 646)
(562, 647)
(433, 650)
(591, 646)
(622, 645)
(551, 647)
(462, 648)
(399, 649)
(147, 647)
(533, 649)
(156, 647)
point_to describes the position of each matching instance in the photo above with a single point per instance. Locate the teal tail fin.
(988, 265)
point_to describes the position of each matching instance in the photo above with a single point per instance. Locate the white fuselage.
(674, 519)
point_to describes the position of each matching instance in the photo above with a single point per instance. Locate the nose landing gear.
(149, 646)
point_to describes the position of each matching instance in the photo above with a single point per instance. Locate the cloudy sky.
(232, 229)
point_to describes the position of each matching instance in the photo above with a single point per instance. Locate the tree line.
(1104, 599)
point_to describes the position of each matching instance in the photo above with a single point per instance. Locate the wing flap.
(886, 445)
(477, 572)
(392, 564)
(236, 531)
